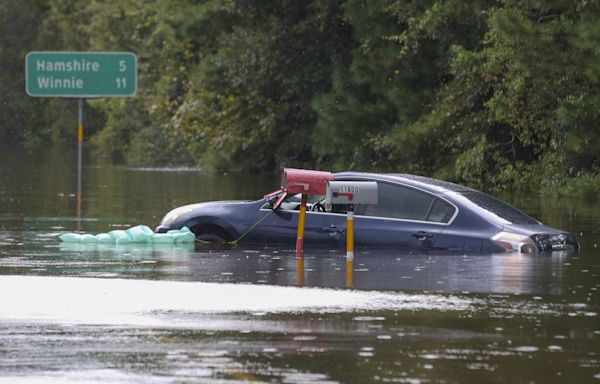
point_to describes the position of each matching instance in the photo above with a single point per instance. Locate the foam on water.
(143, 302)
(85, 377)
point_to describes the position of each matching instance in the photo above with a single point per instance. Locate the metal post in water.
(300, 271)
(350, 234)
(79, 156)
(349, 273)
(350, 246)
(301, 222)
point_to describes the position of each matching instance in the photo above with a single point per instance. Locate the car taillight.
(514, 242)
(555, 241)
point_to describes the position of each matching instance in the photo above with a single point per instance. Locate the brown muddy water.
(192, 314)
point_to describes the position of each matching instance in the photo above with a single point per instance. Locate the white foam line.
(110, 301)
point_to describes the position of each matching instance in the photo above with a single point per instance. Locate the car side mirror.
(274, 199)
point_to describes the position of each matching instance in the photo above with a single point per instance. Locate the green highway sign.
(81, 74)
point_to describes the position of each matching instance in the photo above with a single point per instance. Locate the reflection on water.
(142, 302)
(557, 273)
(157, 313)
(60, 329)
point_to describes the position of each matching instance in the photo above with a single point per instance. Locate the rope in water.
(235, 242)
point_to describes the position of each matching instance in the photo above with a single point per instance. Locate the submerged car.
(413, 212)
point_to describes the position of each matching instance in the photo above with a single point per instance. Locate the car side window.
(400, 203)
(441, 212)
(292, 203)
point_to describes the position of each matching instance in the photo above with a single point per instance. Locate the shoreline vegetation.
(498, 95)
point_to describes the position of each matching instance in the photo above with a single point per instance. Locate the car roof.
(421, 182)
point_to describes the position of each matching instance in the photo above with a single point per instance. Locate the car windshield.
(499, 208)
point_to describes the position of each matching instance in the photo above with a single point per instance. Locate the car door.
(281, 225)
(404, 218)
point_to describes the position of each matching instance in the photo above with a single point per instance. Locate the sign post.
(80, 75)
(79, 154)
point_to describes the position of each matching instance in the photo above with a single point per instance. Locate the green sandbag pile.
(138, 234)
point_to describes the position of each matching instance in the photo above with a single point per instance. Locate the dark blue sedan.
(413, 213)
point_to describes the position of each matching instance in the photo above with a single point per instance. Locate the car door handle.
(333, 230)
(422, 235)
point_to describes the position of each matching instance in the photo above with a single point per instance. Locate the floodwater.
(196, 314)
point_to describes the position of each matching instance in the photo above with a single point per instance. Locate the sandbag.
(183, 235)
(87, 238)
(187, 237)
(70, 237)
(140, 234)
(120, 236)
(137, 234)
(163, 238)
(105, 238)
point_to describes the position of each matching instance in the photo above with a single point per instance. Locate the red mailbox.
(305, 181)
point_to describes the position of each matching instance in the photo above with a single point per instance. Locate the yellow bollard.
(350, 234)
(301, 222)
(349, 273)
(300, 271)
(350, 246)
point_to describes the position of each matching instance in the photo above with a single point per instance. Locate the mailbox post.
(305, 182)
(351, 193)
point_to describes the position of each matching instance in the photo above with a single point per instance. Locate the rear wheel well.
(211, 229)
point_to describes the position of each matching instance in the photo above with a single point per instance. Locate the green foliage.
(495, 94)
(21, 115)
(384, 86)
(248, 102)
(586, 185)
(517, 111)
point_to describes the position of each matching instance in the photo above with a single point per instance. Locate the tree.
(248, 101)
(21, 115)
(388, 80)
(518, 110)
